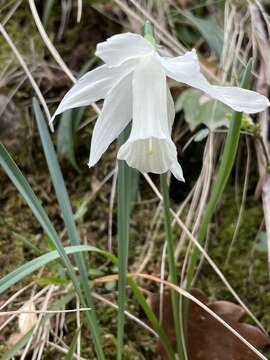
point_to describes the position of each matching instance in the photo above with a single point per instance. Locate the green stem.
(226, 165)
(123, 212)
(152, 318)
(123, 240)
(172, 265)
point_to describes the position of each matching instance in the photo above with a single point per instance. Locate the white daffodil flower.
(133, 83)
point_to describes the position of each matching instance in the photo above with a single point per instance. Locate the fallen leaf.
(207, 338)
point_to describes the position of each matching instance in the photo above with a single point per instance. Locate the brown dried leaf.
(227, 309)
(207, 338)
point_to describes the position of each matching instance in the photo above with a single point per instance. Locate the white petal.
(150, 115)
(119, 48)
(186, 69)
(115, 116)
(149, 147)
(177, 171)
(138, 155)
(170, 108)
(93, 86)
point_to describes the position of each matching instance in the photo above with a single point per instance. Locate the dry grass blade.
(207, 257)
(26, 70)
(23, 311)
(79, 10)
(48, 42)
(261, 43)
(127, 313)
(52, 48)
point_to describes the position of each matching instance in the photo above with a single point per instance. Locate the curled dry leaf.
(207, 338)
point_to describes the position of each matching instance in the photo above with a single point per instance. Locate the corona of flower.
(133, 83)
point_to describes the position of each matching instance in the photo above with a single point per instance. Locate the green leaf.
(33, 202)
(152, 318)
(65, 138)
(200, 109)
(33, 265)
(209, 29)
(261, 245)
(69, 123)
(51, 280)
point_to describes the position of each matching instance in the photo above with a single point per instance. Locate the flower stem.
(149, 33)
(123, 241)
(172, 266)
(226, 165)
(152, 318)
(127, 182)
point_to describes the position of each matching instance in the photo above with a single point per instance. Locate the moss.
(19, 27)
(247, 269)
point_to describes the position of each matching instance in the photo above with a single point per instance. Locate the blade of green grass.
(152, 318)
(68, 217)
(209, 29)
(27, 193)
(28, 268)
(35, 264)
(65, 138)
(69, 123)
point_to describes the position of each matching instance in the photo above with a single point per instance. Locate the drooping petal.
(115, 116)
(119, 48)
(93, 86)
(177, 171)
(170, 108)
(186, 69)
(156, 155)
(150, 147)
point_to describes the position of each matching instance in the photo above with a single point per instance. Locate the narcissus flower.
(133, 83)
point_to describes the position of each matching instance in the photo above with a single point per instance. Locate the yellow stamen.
(150, 147)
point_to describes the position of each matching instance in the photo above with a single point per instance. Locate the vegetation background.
(226, 34)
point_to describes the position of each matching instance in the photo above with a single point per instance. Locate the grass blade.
(24, 188)
(35, 264)
(65, 206)
(152, 318)
(65, 138)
